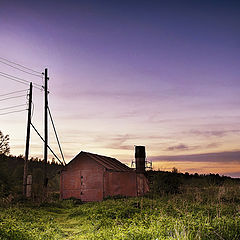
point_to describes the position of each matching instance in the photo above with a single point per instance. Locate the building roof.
(107, 162)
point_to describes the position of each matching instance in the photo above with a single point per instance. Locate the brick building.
(92, 177)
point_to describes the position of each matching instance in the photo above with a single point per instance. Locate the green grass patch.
(196, 214)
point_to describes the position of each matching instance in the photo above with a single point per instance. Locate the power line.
(20, 65)
(13, 112)
(32, 110)
(13, 92)
(25, 82)
(21, 79)
(47, 145)
(21, 69)
(13, 79)
(20, 105)
(55, 131)
(12, 97)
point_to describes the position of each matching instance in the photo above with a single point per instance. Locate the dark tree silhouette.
(4, 144)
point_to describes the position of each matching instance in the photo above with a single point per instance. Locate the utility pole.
(46, 131)
(25, 169)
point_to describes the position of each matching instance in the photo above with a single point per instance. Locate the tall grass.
(196, 213)
(20, 223)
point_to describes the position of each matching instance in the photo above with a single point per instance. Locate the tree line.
(11, 173)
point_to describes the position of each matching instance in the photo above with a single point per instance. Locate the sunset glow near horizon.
(164, 74)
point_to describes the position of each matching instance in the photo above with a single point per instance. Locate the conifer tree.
(4, 144)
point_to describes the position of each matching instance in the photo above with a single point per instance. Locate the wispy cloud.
(99, 115)
(115, 142)
(178, 147)
(100, 140)
(213, 145)
(215, 133)
(233, 156)
(76, 93)
(233, 174)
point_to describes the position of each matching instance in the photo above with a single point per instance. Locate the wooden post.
(25, 169)
(45, 131)
(29, 186)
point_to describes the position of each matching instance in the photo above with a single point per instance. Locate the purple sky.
(164, 74)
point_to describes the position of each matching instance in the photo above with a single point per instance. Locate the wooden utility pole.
(25, 169)
(46, 130)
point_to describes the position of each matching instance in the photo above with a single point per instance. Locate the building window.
(81, 180)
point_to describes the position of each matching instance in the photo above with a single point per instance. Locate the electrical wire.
(13, 79)
(13, 112)
(6, 94)
(21, 69)
(55, 131)
(20, 105)
(21, 79)
(12, 97)
(20, 65)
(25, 82)
(32, 110)
(47, 145)
(43, 79)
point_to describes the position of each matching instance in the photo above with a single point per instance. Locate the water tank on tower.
(140, 156)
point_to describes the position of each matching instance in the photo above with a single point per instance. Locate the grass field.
(207, 213)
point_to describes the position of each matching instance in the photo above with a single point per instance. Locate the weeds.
(196, 213)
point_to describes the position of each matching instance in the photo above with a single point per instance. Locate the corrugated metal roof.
(107, 162)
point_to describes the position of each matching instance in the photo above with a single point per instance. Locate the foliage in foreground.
(11, 177)
(20, 223)
(208, 213)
